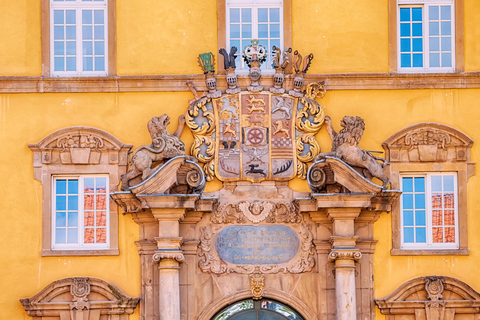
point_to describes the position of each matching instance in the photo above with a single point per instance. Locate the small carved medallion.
(434, 287)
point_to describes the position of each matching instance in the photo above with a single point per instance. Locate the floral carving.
(427, 137)
(80, 141)
(256, 212)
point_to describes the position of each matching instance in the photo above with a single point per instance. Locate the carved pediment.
(79, 145)
(79, 298)
(428, 142)
(431, 298)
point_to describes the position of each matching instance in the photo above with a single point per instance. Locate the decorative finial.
(229, 63)
(207, 63)
(279, 66)
(299, 81)
(254, 55)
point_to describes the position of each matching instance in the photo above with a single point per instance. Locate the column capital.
(351, 255)
(175, 255)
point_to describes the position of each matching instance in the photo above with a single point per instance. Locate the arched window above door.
(263, 309)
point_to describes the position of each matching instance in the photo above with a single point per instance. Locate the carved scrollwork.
(89, 141)
(434, 287)
(317, 178)
(256, 212)
(427, 137)
(344, 255)
(210, 261)
(80, 289)
(308, 122)
(178, 256)
(200, 118)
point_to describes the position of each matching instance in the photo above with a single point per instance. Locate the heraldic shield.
(255, 136)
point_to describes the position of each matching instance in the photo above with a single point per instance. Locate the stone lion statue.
(345, 147)
(164, 146)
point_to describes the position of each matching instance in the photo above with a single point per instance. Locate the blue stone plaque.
(257, 244)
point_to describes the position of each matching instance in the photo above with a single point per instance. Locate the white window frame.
(266, 67)
(426, 44)
(81, 215)
(429, 245)
(78, 6)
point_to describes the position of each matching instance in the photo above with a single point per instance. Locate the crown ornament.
(254, 55)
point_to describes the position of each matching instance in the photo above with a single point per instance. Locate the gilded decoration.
(257, 282)
(279, 249)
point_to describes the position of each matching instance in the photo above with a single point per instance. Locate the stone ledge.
(163, 83)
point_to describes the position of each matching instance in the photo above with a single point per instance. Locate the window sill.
(426, 252)
(57, 253)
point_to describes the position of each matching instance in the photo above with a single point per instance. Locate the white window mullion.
(81, 212)
(79, 42)
(429, 209)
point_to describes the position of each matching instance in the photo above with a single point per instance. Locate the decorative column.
(344, 252)
(169, 256)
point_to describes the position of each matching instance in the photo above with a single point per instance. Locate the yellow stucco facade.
(159, 40)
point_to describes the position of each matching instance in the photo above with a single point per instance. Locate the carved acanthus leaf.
(256, 212)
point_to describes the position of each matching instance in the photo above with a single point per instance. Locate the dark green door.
(264, 309)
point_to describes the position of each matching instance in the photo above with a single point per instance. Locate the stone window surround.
(112, 38)
(48, 162)
(459, 36)
(458, 161)
(222, 32)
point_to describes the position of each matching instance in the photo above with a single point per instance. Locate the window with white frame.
(429, 211)
(426, 35)
(78, 37)
(80, 212)
(254, 19)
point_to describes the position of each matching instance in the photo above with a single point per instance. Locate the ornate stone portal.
(256, 237)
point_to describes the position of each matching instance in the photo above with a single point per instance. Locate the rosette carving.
(308, 122)
(200, 118)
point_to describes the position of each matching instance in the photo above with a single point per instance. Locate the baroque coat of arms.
(255, 134)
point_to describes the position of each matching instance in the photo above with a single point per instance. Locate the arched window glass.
(264, 309)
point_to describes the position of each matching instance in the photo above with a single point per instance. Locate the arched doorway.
(264, 309)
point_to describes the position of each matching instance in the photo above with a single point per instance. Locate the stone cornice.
(365, 81)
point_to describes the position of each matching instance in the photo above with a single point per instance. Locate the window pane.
(70, 32)
(433, 12)
(434, 29)
(419, 201)
(434, 44)
(59, 64)
(70, 17)
(61, 219)
(437, 235)
(246, 15)
(406, 61)
(446, 12)
(99, 17)
(234, 15)
(274, 15)
(262, 15)
(417, 45)
(99, 49)
(450, 235)
(235, 31)
(417, 29)
(71, 64)
(87, 17)
(434, 60)
(407, 201)
(407, 184)
(449, 218)
(72, 202)
(58, 48)
(417, 60)
(404, 14)
(419, 184)
(61, 186)
(446, 44)
(99, 64)
(420, 219)
(446, 28)
(89, 219)
(89, 202)
(405, 45)
(72, 235)
(58, 33)
(405, 30)
(436, 183)
(72, 219)
(263, 30)
(101, 202)
(408, 218)
(416, 14)
(89, 185)
(446, 59)
(101, 219)
(89, 235)
(246, 31)
(60, 235)
(437, 218)
(274, 31)
(101, 235)
(58, 17)
(61, 203)
(99, 32)
(449, 201)
(408, 235)
(71, 50)
(87, 33)
(420, 235)
(87, 48)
